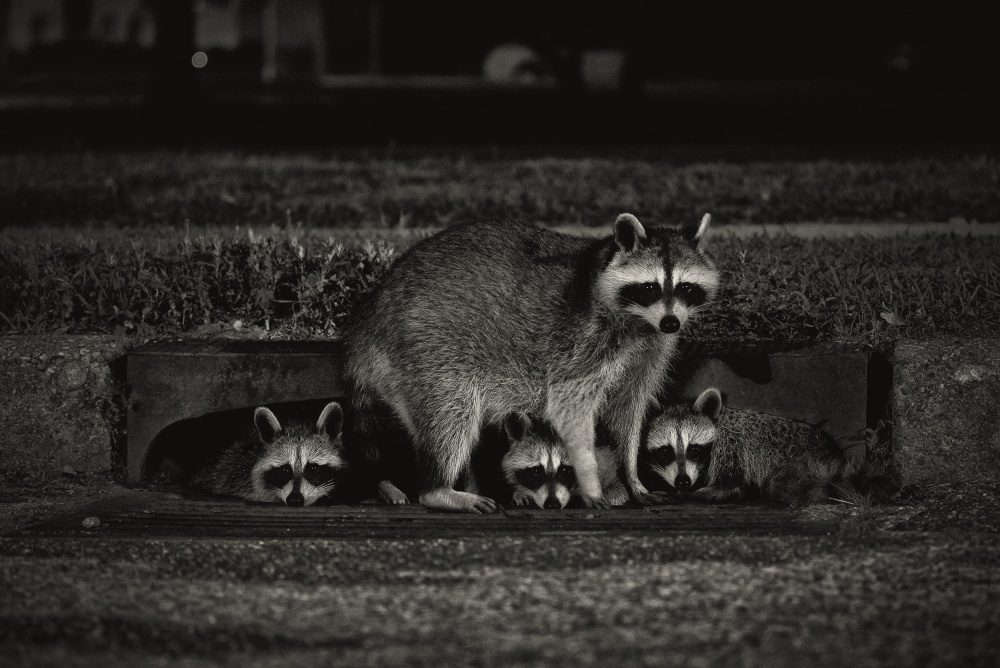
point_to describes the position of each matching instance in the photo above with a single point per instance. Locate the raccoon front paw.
(460, 502)
(660, 498)
(616, 495)
(391, 494)
(718, 494)
(522, 498)
(643, 497)
(594, 502)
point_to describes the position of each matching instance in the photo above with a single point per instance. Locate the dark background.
(119, 73)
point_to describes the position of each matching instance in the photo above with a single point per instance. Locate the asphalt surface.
(915, 581)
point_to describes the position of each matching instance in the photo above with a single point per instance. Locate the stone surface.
(58, 402)
(946, 410)
(872, 594)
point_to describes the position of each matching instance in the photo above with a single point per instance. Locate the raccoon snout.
(295, 500)
(682, 483)
(552, 503)
(669, 324)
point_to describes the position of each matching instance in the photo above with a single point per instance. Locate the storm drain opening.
(188, 397)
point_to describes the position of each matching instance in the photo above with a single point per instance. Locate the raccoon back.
(228, 471)
(778, 458)
(495, 291)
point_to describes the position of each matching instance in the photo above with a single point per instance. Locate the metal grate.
(148, 514)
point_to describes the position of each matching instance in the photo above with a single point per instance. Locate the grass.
(300, 282)
(146, 289)
(144, 189)
(159, 243)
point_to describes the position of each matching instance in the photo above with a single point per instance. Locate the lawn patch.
(147, 289)
(301, 283)
(142, 189)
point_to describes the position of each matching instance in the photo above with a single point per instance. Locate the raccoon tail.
(858, 483)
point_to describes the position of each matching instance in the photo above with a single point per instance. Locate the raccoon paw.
(522, 498)
(392, 494)
(718, 494)
(460, 502)
(642, 496)
(657, 498)
(616, 494)
(594, 502)
(663, 498)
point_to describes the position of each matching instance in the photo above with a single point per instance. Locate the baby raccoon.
(295, 465)
(726, 455)
(538, 467)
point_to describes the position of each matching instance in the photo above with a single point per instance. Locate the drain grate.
(155, 514)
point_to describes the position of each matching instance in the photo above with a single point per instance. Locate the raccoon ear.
(696, 234)
(517, 425)
(267, 425)
(629, 232)
(709, 403)
(331, 420)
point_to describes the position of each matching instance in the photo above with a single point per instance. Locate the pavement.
(166, 579)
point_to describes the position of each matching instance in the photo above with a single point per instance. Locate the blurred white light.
(200, 59)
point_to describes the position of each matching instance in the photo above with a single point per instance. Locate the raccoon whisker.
(330, 484)
(659, 470)
(656, 468)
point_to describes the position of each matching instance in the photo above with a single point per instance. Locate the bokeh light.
(199, 59)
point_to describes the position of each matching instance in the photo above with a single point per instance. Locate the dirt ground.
(915, 581)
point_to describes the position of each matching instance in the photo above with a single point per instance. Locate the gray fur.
(528, 448)
(487, 319)
(753, 453)
(239, 468)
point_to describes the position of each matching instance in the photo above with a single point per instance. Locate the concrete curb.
(946, 410)
(62, 402)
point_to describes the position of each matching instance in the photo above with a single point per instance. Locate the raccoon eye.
(319, 474)
(693, 295)
(278, 476)
(664, 456)
(566, 475)
(531, 478)
(697, 450)
(640, 294)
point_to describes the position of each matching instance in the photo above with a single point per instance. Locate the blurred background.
(294, 74)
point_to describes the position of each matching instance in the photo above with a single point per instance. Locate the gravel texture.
(59, 405)
(911, 582)
(946, 408)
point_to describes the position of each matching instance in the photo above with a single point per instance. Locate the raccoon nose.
(682, 483)
(669, 324)
(552, 503)
(295, 500)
